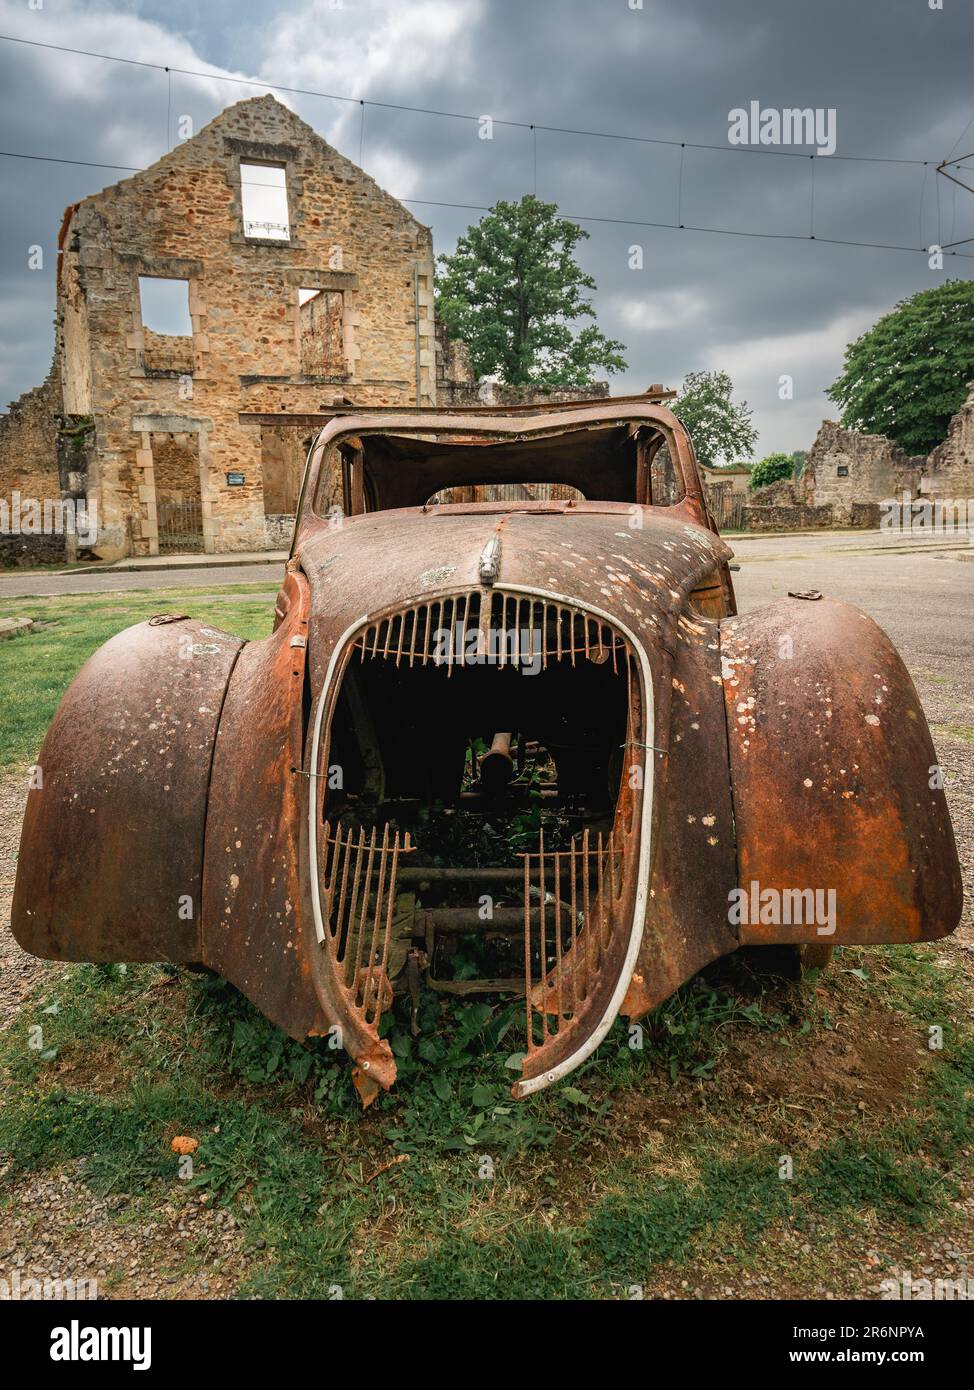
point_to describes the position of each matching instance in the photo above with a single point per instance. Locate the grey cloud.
(896, 73)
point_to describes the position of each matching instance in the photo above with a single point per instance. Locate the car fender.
(129, 751)
(255, 928)
(834, 778)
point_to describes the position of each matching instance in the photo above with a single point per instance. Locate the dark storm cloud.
(895, 71)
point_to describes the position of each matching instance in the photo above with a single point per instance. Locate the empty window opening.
(263, 191)
(321, 314)
(165, 306)
(283, 452)
(507, 492)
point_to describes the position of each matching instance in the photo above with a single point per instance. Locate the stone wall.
(950, 468)
(28, 442)
(782, 493)
(786, 516)
(453, 369)
(490, 392)
(845, 467)
(24, 551)
(44, 459)
(278, 531)
(457, 386)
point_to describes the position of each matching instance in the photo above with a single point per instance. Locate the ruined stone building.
(851, 473)
(251, 270)
(950, 468)
(848, 476)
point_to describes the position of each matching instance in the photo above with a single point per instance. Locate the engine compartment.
(478, 786)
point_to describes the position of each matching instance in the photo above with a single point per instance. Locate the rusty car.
(509, 735)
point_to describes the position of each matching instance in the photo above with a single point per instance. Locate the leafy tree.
(513, 291)
(906, 377)
(719, 428)
(771, 470)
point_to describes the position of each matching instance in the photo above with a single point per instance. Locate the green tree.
(771, 470)
(513, 292)
(906, 377)
(720, 429)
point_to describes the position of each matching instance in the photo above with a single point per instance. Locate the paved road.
(14, 585)
(923, 599)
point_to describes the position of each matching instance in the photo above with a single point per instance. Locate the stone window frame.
(345, 283)
(277, 156)
(167, 268)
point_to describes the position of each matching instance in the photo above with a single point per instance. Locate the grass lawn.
(766, 1138)
(36, 669)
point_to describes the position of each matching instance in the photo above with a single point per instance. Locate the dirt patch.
(870, 1064)
(54, 1227)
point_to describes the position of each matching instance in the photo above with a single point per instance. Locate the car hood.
(638, 575)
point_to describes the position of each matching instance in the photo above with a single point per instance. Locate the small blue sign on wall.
(235, 480)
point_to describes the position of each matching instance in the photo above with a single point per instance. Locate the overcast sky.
(896, 72)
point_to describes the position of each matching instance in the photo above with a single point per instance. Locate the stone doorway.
(179, 500)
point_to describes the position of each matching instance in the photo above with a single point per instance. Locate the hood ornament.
(490, 561)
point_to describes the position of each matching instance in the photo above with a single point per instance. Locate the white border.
(538, 1083)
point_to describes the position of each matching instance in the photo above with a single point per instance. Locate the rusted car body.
(519, 627)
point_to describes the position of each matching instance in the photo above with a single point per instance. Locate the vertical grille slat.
(563, 956)
(366, 911)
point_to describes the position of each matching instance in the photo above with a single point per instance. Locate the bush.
(771, 470)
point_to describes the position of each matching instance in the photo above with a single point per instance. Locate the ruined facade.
(845, 468)
(301, 284)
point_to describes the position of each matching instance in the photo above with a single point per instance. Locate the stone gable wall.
(182, 218)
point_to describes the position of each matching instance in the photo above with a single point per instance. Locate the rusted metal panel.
(310, 419)
(695, 861)
(834, 778)
(111, 853)
(253, 930)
